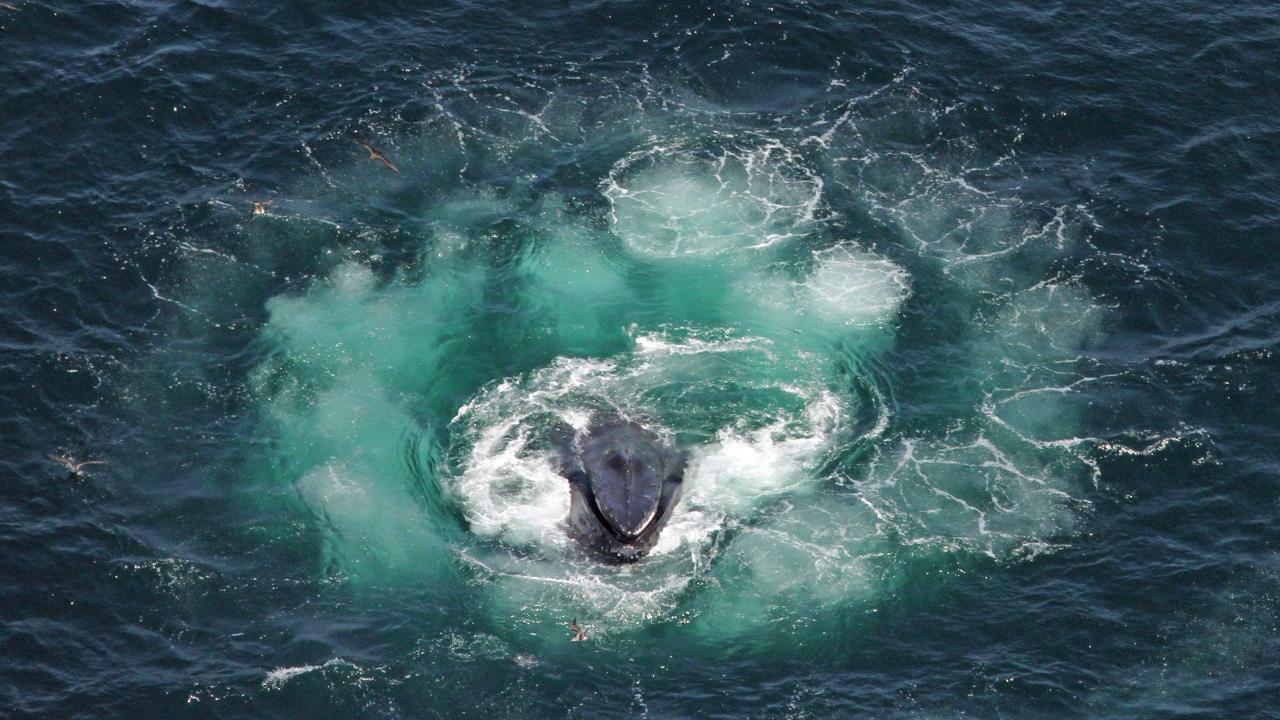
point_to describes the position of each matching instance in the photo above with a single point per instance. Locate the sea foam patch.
(854, 288)
(674, 202)
(843, 291)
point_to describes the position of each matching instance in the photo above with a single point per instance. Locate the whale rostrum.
(624, 483)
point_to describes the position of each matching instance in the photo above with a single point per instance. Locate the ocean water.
(966, 314)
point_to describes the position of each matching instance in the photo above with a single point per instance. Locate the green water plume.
(715, 290)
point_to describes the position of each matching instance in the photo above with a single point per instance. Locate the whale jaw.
(624, 483)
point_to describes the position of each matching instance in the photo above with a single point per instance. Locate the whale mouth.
(625, 480)
(652, 522)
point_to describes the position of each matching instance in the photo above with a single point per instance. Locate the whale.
(624, 483)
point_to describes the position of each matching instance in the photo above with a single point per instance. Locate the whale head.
(624, 483)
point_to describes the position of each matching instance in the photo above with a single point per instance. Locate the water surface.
(967, 318)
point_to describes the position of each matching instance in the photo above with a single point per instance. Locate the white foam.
(670, 202)
(967, 493)
(744, 468)
(853, 287)
(509, 490)
(846, 289)
(352, 279)
(278, 677)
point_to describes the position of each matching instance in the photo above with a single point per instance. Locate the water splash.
(867, 356)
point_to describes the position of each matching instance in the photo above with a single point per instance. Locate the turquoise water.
(965, 318)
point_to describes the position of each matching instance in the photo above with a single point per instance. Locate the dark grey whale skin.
(624, 483)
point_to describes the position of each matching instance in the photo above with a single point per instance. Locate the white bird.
(72, 465)
(260, 206)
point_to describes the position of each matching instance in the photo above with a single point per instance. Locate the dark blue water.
(969, 315)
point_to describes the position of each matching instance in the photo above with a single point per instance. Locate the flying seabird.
(579, 632)
(376, 154)
(72, 464)
(260, 206)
